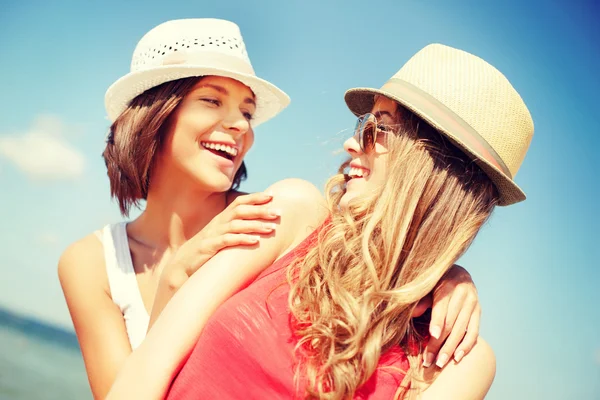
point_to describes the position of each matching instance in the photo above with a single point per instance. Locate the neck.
(174, 213)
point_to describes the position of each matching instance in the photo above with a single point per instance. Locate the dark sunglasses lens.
(368, 139)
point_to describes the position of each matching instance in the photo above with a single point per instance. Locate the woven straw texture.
(193, 47)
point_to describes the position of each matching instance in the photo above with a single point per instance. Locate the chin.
(222, 186)
(345, 200)
(217, 184)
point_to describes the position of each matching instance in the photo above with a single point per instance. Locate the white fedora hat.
(193, 47)
(467, 100)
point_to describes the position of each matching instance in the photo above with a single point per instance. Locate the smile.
(358, 173)
(220, 149)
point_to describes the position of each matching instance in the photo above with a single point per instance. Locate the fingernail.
(459, 355)
(275, 213)
(435, 331)
(270, 227)
(442, 360)
(428, 359)
(254, 239)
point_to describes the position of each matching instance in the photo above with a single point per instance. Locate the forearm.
(137, 379)
(148, 372)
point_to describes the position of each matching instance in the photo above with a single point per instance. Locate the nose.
(352, 147)
(236, 123)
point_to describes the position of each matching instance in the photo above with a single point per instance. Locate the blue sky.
(533, 262)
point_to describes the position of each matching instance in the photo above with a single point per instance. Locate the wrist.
(173, 278)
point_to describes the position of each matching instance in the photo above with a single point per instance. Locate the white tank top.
(123, 284)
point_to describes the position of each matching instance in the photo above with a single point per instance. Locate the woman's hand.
(240, 224)
(455, 314)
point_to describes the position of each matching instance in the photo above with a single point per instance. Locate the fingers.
(235, 239)
(439, 312)
(252, 198)
(249, 226)
(207, 248)
(436, 327)
(253, 211)
(213, 245)
(471, 336)
(456, 335)
(449, 322)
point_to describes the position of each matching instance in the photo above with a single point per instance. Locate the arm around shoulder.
(152, 366)
(468, 380)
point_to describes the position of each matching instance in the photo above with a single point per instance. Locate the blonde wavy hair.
(353, 294)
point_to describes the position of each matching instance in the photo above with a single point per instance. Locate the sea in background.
(39, 361)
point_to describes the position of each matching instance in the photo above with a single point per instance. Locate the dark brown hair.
(136, 136)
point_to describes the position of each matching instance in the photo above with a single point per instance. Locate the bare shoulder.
(292, 191)
(468, 380)
(300, 200)
(298, 192)
(83, 262)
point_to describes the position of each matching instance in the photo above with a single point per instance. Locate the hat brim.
(361, 100)
(270, 100)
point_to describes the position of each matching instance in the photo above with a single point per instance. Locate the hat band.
(446, 119)
(206, 59)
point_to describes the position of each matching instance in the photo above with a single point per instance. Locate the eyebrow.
(379, 114)
(224, 91)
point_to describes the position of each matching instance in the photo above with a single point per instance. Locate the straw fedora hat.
(467, 100)
(193, 47)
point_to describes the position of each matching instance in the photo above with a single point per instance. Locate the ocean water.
(39, 362)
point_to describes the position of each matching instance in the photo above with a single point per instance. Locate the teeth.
(357, 172)
(232, 151)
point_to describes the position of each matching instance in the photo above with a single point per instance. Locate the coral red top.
(246, 349)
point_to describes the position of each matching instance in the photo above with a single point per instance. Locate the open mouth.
(221, 150)
(357, 173)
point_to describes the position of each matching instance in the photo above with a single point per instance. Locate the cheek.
(186, 135)
(248, 141)
(379, 169)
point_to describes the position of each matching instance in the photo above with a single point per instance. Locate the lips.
(224, 150)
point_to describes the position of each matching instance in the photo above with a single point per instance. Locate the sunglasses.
(367, 129)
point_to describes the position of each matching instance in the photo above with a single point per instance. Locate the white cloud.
(42, 152)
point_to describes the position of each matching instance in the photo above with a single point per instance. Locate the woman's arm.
(237, 225)
(97, 320)
(148, 372)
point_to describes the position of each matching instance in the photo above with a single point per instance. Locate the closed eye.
(384, 128)
(212, 101)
